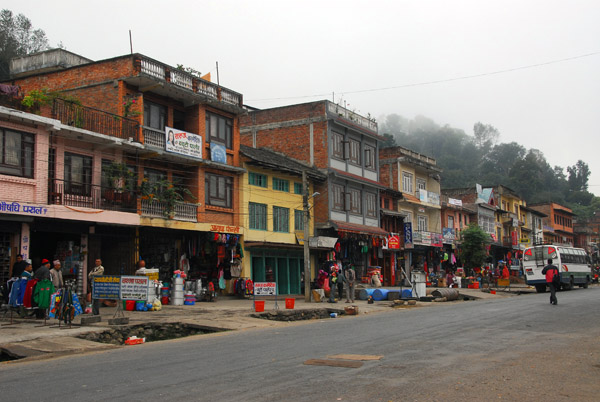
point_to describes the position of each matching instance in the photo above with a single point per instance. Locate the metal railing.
(61, 192)
(190, 82)
(352, 116)
(182, 212)
(95, 120)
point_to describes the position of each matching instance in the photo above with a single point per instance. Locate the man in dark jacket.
(43, 272)
(550, 270)
(18, 267)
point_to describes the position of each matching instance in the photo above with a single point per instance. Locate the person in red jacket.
(550, 270)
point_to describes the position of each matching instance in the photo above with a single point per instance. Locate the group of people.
(334, 277)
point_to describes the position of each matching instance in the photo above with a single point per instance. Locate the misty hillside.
(479, 157)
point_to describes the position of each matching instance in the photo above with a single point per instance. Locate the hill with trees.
(480, 158)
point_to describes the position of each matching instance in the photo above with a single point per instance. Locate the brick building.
(149, 140)
(344, 146)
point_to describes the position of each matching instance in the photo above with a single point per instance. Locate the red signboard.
(515, 239)
(394, 242)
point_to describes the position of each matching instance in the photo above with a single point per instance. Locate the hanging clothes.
(42, 292)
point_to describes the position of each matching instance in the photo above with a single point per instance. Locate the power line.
(440, 81)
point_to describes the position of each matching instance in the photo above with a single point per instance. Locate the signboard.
(449, 235)
(393, 242)
(134, 287)
(322, 241)
(265, 289)
(106, 287)
(453, 201)
(183, 143)
(408, 238)
(218, 153)
(514, 237)
(436, 240)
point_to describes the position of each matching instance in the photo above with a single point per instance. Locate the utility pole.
(306, 221)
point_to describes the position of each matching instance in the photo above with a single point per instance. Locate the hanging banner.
(408, 235)
(183, 143)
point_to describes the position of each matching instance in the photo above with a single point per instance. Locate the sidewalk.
(30, 338)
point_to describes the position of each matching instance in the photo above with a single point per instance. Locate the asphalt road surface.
(518, 348)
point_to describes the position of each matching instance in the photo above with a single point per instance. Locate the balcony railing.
(190, 82)
(85, 195)
(182, 212)
(352, 116)
(95, 120)
(154, 137)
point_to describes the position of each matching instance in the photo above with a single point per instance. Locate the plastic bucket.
(259, 306)
(289, 303)
(365, 293)
(164, 300)
(380, 294)
(129, 305)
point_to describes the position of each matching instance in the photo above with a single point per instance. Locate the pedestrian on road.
(350, 276)
(56, 275)
(551, 271)
(97, 271)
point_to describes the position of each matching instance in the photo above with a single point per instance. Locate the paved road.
(518, 348)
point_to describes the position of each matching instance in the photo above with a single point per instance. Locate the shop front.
(284, 266)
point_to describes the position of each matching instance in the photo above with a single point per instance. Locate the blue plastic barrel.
(380, 294)
(406, 293)
(365, 293)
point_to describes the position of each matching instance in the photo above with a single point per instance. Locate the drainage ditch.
(6, 356)
(298, 315)
(152, 332)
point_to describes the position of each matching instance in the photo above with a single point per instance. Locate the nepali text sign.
(183, 143)
(218, 153)
(408, 235)
(134, 287)
(265, 289)
(393, 242)
(106, 287)
(12, 206)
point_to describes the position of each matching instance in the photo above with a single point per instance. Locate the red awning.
(356, 228)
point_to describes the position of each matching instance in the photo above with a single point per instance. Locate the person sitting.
(376, 280)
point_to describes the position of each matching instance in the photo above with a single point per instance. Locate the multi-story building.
(147, 139)
(455, 218)
(558, 223)
(344, 146)
(417, 177)
(392, 221)
(509, 217)
(272, 210)
(532, 232)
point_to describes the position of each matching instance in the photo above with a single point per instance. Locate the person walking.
(350, 276)
(97, 271)
(341, 281)
(56, 275)
(551, 271)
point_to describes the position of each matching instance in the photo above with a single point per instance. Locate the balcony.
(340, 111)
(183, 211)
(154, 137)
(428, 197)
(189, 82)
(95, 120)
(82, 195)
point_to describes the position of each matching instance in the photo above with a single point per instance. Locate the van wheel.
(540, 288)
(568, 286)
(587, 283)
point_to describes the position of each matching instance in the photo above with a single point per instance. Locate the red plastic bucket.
(259, 306)
(130, 305)
(289, 303)
(164, 300)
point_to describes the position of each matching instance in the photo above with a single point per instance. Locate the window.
(16, 153)
(218, 190)
(338, 145)
(408, 218)
(155, 115)
(257, 179)
(355, 201)
(281, 185)
(421, 184)
(281, 219)
(354, 152)
(407, 180)
(128, 182)
(258, 216)
(371, 204)
(386, 203)
(451, 222)
(219, 129)
(370, 157)
(338, 197)
(422, 223)
(298, 220)
(298, 188)
(78, 174)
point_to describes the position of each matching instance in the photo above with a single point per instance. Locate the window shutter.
(347, 201)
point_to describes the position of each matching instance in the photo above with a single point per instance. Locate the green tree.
(389, 142)
(578, 176)
(473, 247)
(17, 38)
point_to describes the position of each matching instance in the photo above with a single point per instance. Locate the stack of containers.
(164, 295)
(189, 299)
(177, 293)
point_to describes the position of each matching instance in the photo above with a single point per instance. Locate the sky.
(529, 68)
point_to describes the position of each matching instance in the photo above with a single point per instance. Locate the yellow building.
(511, 218)
(272, 211)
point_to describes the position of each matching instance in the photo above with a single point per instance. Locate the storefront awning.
(356, 228)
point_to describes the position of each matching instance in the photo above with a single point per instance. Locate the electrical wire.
(432, 82)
